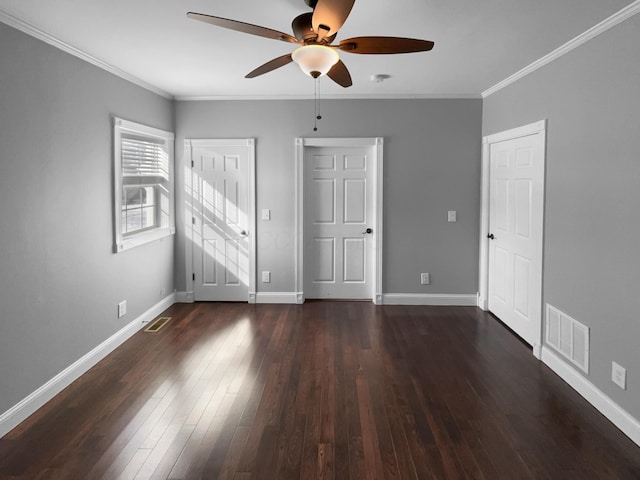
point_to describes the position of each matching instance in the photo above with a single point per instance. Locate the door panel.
(523, 208)
(500, 210)
(338, 209)
(521, 286)
(515, 221)
(501, 269)
(209, 264)
(355, 201)
(355, 260)
(355, 162)
(323, 162)
(323, 201)
(323, 266)
(221, 221)
(235, 266)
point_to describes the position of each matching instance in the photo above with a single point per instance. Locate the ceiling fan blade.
(384, 45)
(330, 15)
(340, 74)
(243, 27)
(270, 65)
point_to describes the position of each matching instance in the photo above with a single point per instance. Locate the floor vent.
(568, 336)
(157, 324)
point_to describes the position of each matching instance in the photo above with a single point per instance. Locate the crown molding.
(33, 31)
(618, 17)
(443, 96)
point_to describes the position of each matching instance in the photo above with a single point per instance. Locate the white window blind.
(144, 196)
(144, 157)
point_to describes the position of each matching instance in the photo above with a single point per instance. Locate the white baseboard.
(183, 297)
(293, 298)
(622, 419)
(483, 304)
(384, 299)
(277, 297)
(22, 410)
(429, 299)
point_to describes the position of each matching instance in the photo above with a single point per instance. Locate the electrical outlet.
(619, 375)
(122, 309)
(425, 279)
(452, 216)
(266, 277)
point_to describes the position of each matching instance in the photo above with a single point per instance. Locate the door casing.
(377, 144)
(483, 281)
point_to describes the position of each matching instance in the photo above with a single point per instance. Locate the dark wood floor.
(342, 390)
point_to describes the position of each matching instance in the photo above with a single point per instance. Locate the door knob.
(368, 230)
(243, 233)
(490, 236)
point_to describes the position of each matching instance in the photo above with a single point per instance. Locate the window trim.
(122, 242)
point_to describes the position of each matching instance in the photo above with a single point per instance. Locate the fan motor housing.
(311, 3)
(303, 29)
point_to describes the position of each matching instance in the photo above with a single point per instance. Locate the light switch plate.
(619, 375)
(451, 216)
(266, 214)
(266, 277)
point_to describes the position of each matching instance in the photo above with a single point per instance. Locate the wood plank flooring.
(325, 390)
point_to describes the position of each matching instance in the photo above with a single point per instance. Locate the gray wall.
(431, 165)
(591, 98)
(59, 280)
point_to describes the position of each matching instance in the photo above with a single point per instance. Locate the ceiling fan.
(313, 33)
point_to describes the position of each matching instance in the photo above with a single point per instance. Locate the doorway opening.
(511, 229)
(221, 241)
(339, 218)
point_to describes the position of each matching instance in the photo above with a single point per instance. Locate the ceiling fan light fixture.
(315, 60)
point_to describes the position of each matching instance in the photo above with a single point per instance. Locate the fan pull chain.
(317, 105)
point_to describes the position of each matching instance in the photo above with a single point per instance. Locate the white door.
(338, 222)
(516, 203)
(222, 205)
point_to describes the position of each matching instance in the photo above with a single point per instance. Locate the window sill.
(143, 238)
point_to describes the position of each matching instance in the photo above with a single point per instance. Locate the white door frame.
(483, 283)
(377, 144)
(250, 143)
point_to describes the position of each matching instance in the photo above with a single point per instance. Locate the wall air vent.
(568, 336)
(157, 324)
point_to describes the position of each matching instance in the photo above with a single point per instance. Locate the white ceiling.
(477, 43)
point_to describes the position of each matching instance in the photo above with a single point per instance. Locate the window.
(143, 166)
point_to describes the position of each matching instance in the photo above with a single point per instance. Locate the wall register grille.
(157, 324)
(568, 336)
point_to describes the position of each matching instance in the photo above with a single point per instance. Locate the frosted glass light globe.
(315, 60)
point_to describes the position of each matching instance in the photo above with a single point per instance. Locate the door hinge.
(193, 277)
(193, 220)
(192, 164)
